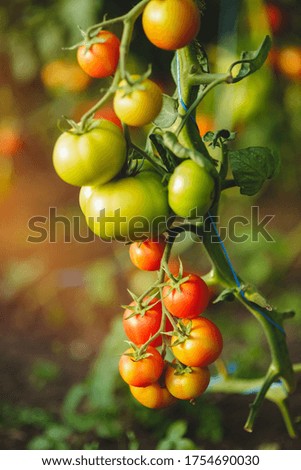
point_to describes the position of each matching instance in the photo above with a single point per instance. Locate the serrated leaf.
(252, 60)
(168, 114)
(225, 295)
(252, 166)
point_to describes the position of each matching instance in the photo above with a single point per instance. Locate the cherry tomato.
(189, 299)
(147, 255)
(94, 157)
(139, 107)
(275, 17)
(153, 396)
(171, 24)
(143, 372)
(64, 76)
(141, 326)
(100, 60)
(190, 190)
(187, 385)
(132, 208)
(107, 112)
(203, 345)
(289, 62)
(11, 141)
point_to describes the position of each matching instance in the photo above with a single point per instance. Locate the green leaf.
(167, 156)
(252, 166)
(168, 114)
(225, 295)
(252, 60)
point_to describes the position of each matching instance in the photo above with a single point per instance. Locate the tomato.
(107, 112)
(275, 17)
(187, 385)
(94, 157)
(203, 345)
(101, 59)
(153, 396)
(289, 62)
(11, 141)
(147, 255)
(189, 299)
(142, 372)
(132, 208)
(62, 75)
(205, 123)
(141, 326)
(171, 24)
(190, 190)
(139, 106)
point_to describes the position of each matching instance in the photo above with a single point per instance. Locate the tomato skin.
(202, 347)
(188, 385)
(143, 372)
(140, 107)
(190, 190)
(171, 24)
(189, 300)
(101, 59)
(140, 200)
(154, 396)
(94, 157)
(147, 255)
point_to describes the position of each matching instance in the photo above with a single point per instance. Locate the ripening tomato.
(205, 123)
(202, 346)
(142, 372)
(11, 142)
(64, 76)
(153, 396)
(171, 24)
(94, 157)
(147, 255)
(101, 59)
(107, 112)
(289, 62)
(187, 385)
(188, 300)
(139, 327)
(275, 17)
(129, 209)
(190, 190)
(139, 106)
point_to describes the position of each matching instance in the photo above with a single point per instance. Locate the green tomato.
(94, 157)
(190, 190)
(131, 208)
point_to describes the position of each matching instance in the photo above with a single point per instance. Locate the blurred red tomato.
(275, 17)
(289, 62)
(11, 141)
(64, 75)
(205, 123)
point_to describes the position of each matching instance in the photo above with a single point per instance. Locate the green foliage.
(175, 438)
(251, 61)
(251, 167)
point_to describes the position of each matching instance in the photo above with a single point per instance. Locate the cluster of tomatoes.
(95, 156)
(189, 342)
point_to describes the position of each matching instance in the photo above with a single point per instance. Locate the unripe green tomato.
(94, 157)
(190, 190)
(131, 208)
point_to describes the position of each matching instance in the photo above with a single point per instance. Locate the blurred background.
(60, 322)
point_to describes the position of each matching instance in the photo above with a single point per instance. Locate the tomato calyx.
(79, 128)
(139, 352)
(134, 82)
(182, 332)
(180, 369)
(139, 307)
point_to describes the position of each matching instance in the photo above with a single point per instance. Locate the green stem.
(284, 410)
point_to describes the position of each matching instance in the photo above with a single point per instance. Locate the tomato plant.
(171, 24)
(99, 57)
(186, 383)
(147, 255)
(200, 344)
(171, 182)
(92, 157)
(142, 369)
(139, 105)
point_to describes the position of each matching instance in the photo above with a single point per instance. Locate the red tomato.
(107, 112)
(11, 141)
(153, 396)
(100, 60)
(187, 385)
(142, 372)
(202, 346)
(141, 326)
(188, 300)
(147, 255)
(205, 123)
(275, 17)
